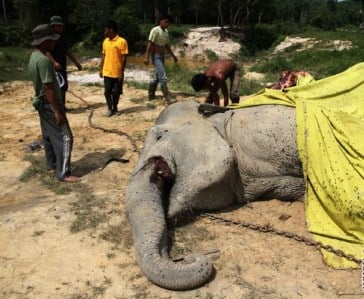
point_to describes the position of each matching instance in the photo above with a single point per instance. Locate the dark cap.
(42, 33)
(56, 20)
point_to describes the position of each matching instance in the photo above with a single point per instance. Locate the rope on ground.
(120, 133)
(113, 131)
(78, 97)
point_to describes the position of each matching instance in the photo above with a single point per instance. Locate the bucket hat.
(42, 33)
(56, 20)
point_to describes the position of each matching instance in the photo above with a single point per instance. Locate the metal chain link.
(290, 235)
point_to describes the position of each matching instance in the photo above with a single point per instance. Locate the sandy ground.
(43, 256)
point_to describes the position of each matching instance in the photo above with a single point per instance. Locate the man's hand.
(79, 66)
(146, 60)
(57, 66)
(59, 118)
(100, 74)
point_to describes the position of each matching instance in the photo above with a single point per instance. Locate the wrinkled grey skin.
(191, 162)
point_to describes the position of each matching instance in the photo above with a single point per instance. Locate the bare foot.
(72, 179)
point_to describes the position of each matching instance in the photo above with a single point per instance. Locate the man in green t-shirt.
(158, 44)
(56, 133)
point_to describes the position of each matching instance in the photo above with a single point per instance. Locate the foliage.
(129, 28)
(259, 37)
(13, 64)
(90, 15)
(211, 55)
(321, 61)
(37, 167)
(87, 18)
(14, 35)
(180, 77)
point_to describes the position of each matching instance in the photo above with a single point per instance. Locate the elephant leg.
(283, 187)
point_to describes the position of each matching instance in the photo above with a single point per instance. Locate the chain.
(270, 229)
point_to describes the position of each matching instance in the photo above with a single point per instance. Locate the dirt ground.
(77, 244)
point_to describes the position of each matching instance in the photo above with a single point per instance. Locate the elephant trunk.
(148, 222)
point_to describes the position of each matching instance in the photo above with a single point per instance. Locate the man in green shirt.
(158, 44)
(56, 133)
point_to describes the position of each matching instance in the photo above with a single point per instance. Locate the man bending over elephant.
(215, 78)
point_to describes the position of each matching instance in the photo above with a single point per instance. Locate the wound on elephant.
(162, 173)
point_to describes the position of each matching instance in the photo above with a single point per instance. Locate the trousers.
(58, 141)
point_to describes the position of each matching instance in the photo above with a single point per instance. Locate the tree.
(4, 12)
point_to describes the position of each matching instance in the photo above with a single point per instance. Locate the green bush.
(14, 64)
(275, 64)
(259, 37)
(128, 28)
(14, 35)
(93, 39)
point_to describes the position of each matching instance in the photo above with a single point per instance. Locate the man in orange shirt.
(112, 66)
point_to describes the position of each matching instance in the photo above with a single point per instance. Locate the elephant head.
(188, 163)
(168, 181)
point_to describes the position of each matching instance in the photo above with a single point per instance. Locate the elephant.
(205, 162)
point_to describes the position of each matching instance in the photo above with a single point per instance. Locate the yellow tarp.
(330, 129)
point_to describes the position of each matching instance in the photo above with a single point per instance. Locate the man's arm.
(73, 58)
(147, 52)
(56, 65)
(212, 86)
(168, 48)
(101, 65)
(224, 91)
(123, 65)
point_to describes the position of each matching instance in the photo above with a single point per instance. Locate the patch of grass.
(180, 77)
(36, 168)
(98, 291)
(14, 64)
(321, 61)
(137, 100)
(90, 211)
(38, 233)
(137, 85)
(275, 65)
(139, 135)
(249, 87)
(83, 53)
(119, 235)
(150, 106)
(211, 55)
(188, 239)
(97, 84)
(110, 255)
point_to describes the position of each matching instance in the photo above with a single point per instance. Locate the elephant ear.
(206, 174)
